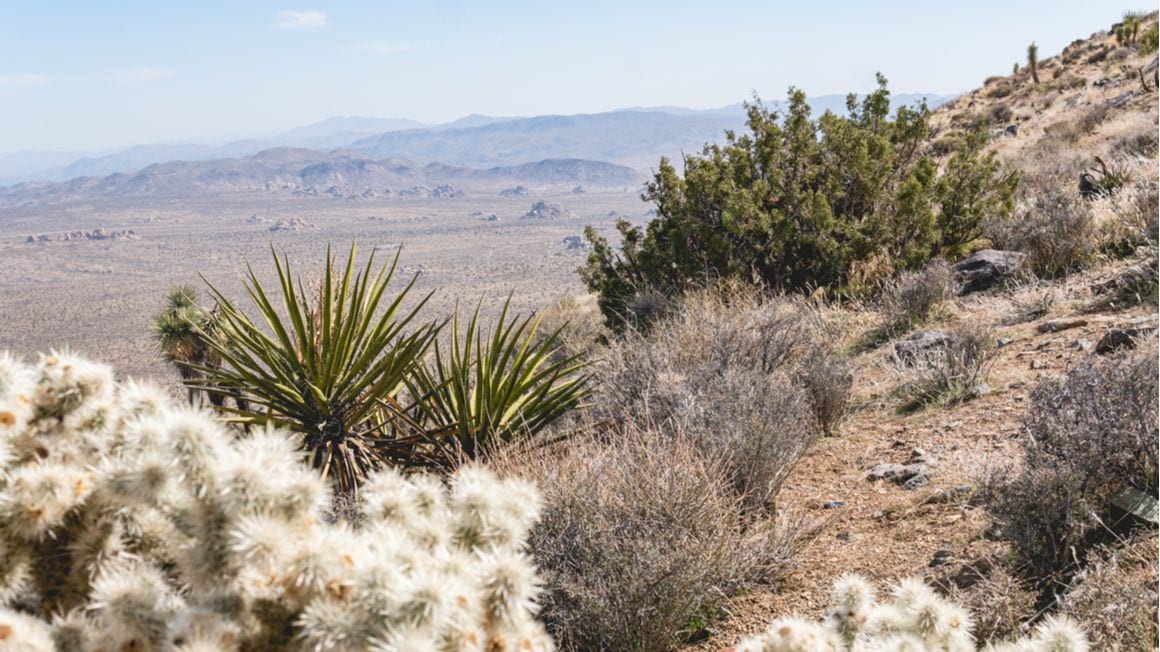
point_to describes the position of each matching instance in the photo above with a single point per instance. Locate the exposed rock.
(1056, 325)
(579, 190)
(950, 495)
(1127, 335)
(416, 192)
(913, 347)
(833, 504)
(490, 217)
(1012, 130)
(446, 192)
(294, 225)
(546, 210)
(518, 191)
(73, 236)
(916, 473)
(256, 219)
(987, 268)
(575, 242)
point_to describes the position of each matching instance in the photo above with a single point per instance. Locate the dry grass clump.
(914, 618)
(912, 297)
(740, 373)
(945, 375)
(1056, 229)
(1089, 436)
(1115, 598)
(639, 537)
(580, 326)
(1034, 300)
(139, 525)
(999, 601)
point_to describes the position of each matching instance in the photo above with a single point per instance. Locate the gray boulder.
(920, 343)
(987, 268)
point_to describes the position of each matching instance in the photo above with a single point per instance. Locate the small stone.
(941, 557)
(833, 504)
(1084, 345)
(979, 390)
(916, 481)
(1003, 341)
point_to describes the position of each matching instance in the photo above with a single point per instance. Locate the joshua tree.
(1129, 29)
(1015, 69)
(180, 330)
(1033, 61)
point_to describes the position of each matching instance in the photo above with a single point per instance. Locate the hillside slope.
(1095, 99)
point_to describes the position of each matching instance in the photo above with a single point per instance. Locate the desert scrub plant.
(915, 618)
(743, 373)
(639, 534)
(180, 330)
(139, 525)
(1088, 437)
(799, 203)
(576, 319)
(1056, 230)
(912, 297)
(951, 373)
(1114, 598)
(330, 365)
(1000, 601)
(485, 390)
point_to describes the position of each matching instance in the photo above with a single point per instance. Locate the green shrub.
(799, 203)
(133, 524)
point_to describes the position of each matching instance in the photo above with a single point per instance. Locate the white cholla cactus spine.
(169, 532)
(916, 620)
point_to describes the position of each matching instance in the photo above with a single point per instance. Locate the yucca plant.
(484, 390)
(329, 363)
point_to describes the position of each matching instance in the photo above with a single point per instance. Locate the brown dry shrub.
(998, 601)
(1089, 435)
(579, 323)
(1115, 599)
(741, 373)
(912, 297)
(947, 375)
(638, 537)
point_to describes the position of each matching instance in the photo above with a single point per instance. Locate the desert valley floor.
(96, 296)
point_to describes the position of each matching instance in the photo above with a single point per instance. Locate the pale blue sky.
(91, 74)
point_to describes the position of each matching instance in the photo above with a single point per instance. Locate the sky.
(86, 75)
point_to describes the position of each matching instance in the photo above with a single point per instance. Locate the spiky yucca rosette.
(915, 619)
(127, 522)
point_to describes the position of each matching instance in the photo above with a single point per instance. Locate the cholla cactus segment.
(169, 531)
(916, 619)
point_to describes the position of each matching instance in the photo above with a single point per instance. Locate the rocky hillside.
(341, 173)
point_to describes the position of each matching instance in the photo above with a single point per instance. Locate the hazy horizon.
(81, 77)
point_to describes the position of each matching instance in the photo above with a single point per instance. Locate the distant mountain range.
(343, 174)
(632, 137)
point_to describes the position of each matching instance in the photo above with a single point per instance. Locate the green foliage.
(1129, 29)
(329, 366)
(1033, 61)
(1150, 41)
(1015, 68)
(484, 391)
(180, 330)
(799, 203)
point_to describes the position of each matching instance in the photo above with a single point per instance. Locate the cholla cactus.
(916, 619)
(129, 523)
